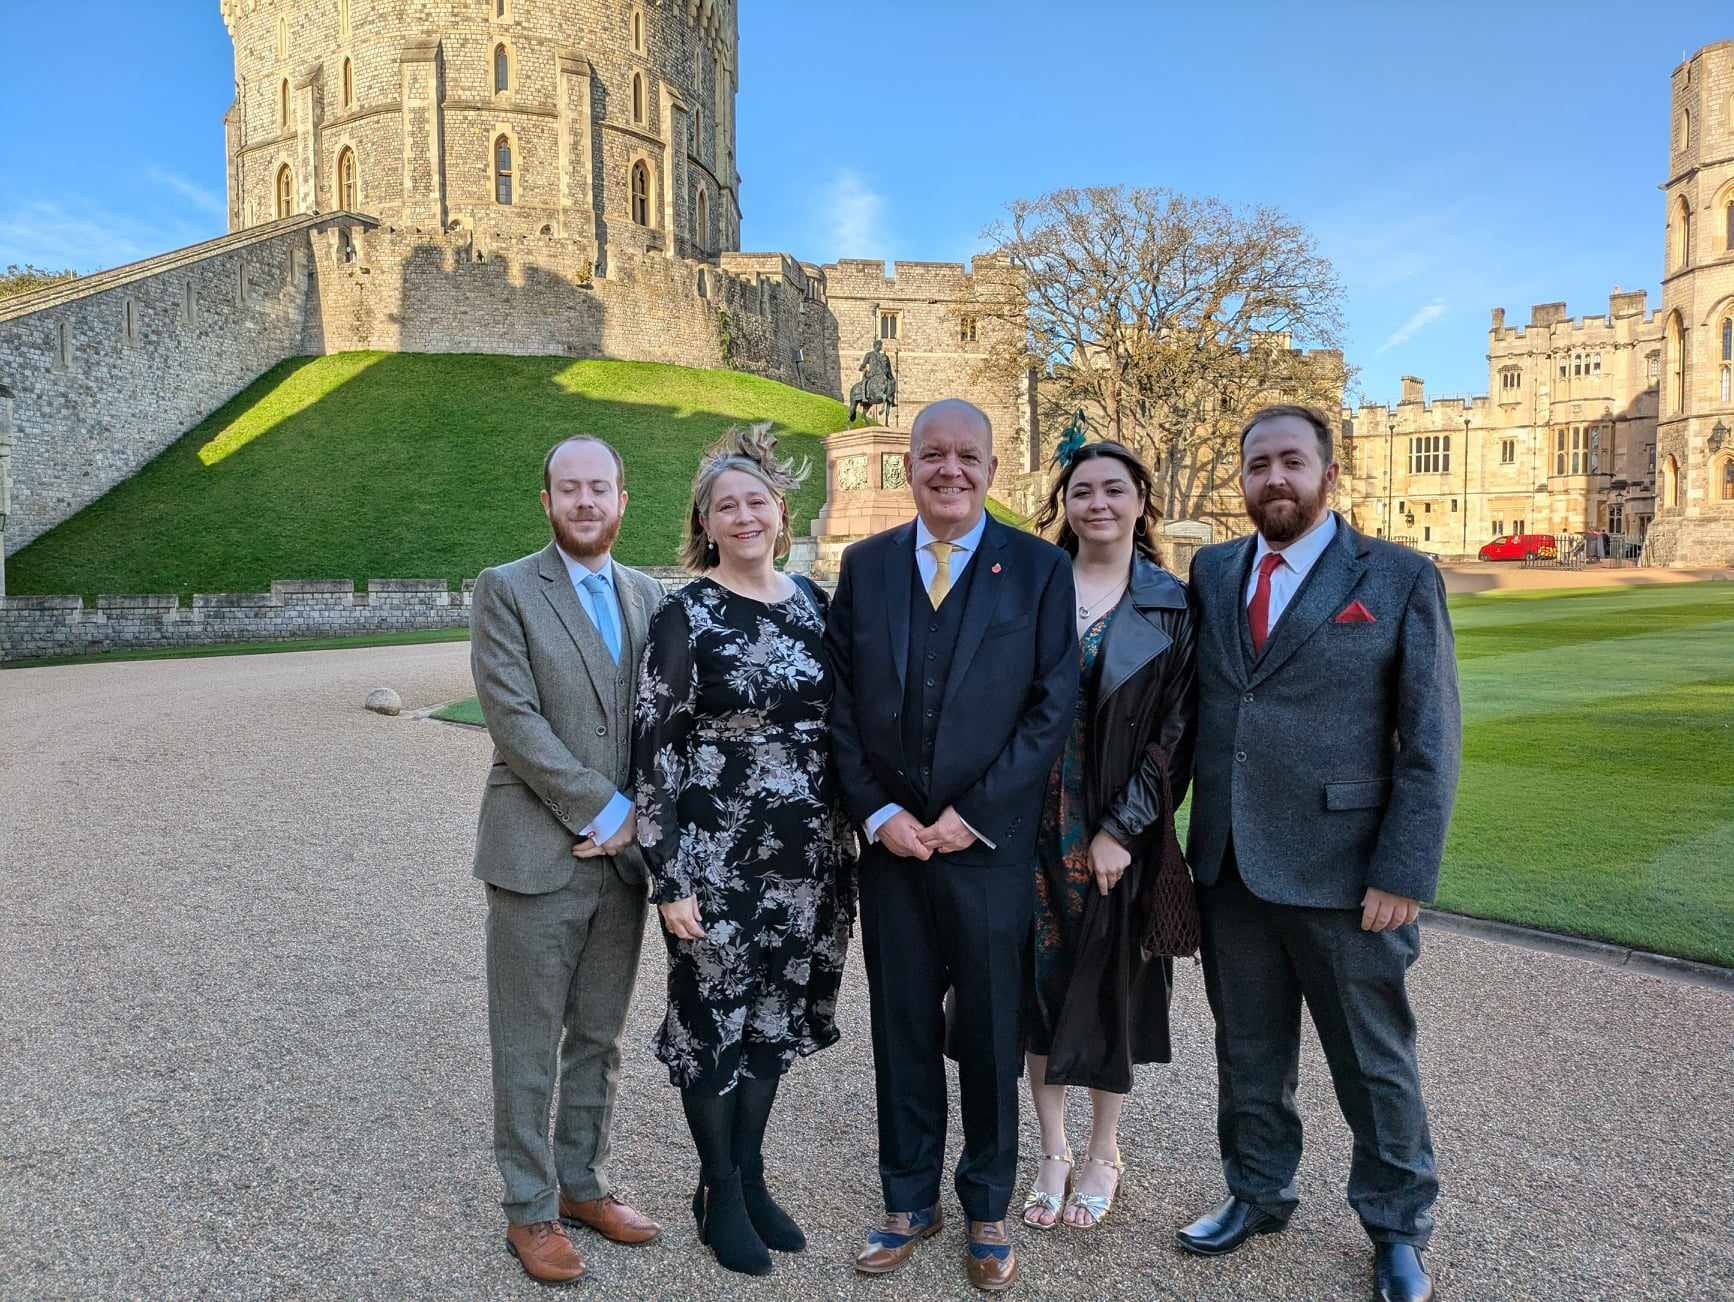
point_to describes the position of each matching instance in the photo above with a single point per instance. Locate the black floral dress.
(737, 805)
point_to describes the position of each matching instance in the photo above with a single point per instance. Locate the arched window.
(641, 194)
(1724, 388)
(283, 104)
(503, 170)
(637, 32)
(282, 38)
(343, 18)
(502, 70)
(1728, 227)
(348, 84)
(285, 192)
(346, 187)
(1683, 129)
(1674, 340)
(1670, 481)
(1727, 479)
(638, 99)
(1728, 339)
(702, 233)
(1681, 230)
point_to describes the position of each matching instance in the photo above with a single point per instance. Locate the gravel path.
(243, 1049)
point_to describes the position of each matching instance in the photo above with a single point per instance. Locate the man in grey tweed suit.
(1328, 746)
(554, 645)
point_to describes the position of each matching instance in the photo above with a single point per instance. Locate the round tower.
(610, 121)
(1694, 519)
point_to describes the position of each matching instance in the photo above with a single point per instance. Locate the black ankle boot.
(723, 1224)
(777, 1229)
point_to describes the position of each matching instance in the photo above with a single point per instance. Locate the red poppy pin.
(996, 567)
(1355, 613)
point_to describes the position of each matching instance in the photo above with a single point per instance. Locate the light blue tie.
(602, 611)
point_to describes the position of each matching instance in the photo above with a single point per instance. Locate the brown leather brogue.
(990, 1257)
(545, 1252)
(894, 1242)
(610, 1218)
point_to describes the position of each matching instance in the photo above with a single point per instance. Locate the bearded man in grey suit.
(1329, 734)
(554, 646)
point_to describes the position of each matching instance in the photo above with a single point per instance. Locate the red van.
(1521, 547)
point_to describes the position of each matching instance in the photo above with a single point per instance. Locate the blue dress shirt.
(614, 813)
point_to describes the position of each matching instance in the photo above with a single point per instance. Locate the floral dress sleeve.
(662, 722)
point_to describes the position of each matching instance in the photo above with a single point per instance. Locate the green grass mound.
(394, 465)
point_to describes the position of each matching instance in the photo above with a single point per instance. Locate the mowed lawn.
(376, 465)
(1598, 765)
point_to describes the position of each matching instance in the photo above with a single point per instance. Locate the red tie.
(1258, 612)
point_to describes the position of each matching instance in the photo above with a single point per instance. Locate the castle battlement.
(1628, 312)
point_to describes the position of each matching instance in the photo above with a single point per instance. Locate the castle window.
(1728, 340)
(282, 39)
(641, 194)
(1511, 379)
(966, 331)
(348, 84)
(1670, 481)
(346, 187)
(1674, 339)
(502, 10)
(285, 192)
(637, 31)
(1680, 232)
(1562, 366)
(702, 234)
(1728, 227)
(888, 325)
(1577, 364)
(1683, 129)
(131, 323)
(189, 302)
(1559, 454)
(1430, 454)
(502, 70)
(1596, 361)
(638, 99)
(503, 171)
(1728, 479)
(283, 104)
(63, 346)
(343, 19)
(1507, 452)
(1724, 388)
(1653, 367)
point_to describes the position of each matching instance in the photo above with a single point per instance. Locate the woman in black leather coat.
(1096, 1005)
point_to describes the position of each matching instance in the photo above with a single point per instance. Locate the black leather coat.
(1116, 1007)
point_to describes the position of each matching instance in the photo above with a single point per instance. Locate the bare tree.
(16, 280)
(1166, 319)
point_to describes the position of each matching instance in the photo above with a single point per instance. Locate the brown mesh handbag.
(1170, 924)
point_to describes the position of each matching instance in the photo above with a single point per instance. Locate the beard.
(581, 548)
(1284, 514)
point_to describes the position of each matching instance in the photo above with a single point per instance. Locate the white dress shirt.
(1298, 559)
(962, 551)
(614, 813)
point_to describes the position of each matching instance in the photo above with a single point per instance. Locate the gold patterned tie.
(941, 584)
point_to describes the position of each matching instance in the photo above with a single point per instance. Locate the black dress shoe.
(1399, 1274)
(1226, 1228)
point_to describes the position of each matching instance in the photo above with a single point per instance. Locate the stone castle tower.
(604, 121)
(1695, 425)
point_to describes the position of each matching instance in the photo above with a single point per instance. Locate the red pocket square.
(1354, 613)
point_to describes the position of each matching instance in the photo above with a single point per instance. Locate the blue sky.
(1449, 158)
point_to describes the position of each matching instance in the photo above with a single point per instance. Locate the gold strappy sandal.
(1096, 1205)
(1041, 1200)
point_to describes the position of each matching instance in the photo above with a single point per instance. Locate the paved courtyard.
(243, 1050)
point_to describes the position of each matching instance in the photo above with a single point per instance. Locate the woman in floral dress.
(740, 824)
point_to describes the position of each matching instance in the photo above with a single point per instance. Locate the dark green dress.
(1063, 878)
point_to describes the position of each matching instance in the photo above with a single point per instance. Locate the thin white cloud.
(1417, 322)
(55, 234)
(852, 217)
(192, 192)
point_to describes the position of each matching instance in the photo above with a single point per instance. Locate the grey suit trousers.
(1260, 960)
(563, 962)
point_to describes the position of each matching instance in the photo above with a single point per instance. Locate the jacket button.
(1240, 757)
(1247, 698)
(601, 730)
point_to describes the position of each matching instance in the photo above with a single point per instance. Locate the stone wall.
(108, 370)
(34, 627)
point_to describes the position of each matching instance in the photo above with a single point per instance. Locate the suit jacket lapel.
(632, 609)
(899, 566)
(978, 609)
(1325, 592)
(1133, 639)
(1231, 613)
(557, 588)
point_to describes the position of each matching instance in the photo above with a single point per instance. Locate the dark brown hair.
(1053, 512)
(1320, 423)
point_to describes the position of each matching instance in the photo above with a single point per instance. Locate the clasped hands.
(905, 837)
(590, 848)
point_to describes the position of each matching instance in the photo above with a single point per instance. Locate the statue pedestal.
(865, 492)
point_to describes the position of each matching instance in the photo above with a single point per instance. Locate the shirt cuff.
(878, 818)
(977, 835)
(608, 822)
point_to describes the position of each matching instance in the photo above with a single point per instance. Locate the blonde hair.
(753, 451)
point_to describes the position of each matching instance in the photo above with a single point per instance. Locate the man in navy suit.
(956, 666)
(1329, 735)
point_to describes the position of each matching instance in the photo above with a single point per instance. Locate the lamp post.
(1718, 436)
(1390, 471)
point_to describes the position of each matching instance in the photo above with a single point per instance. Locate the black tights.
(729, 1129)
